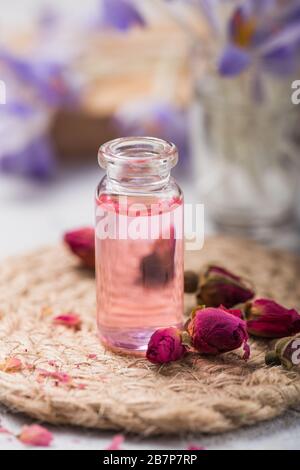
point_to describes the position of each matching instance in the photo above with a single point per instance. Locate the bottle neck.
(138, 164)
(143, 178)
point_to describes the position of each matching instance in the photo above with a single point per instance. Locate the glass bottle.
(139, 243)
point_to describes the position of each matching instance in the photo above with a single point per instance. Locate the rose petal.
(233, 311)
(11, 364)
(116, 443)
(35, 435)
(60, 376)
(71, 320)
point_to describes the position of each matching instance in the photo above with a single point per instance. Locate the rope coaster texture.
(108, 391)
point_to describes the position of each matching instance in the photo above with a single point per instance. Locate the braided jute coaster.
(108, 391)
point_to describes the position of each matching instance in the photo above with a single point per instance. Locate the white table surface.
(33, 215)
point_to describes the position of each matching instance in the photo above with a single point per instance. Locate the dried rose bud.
(165, 345)
(215, 331)
(82, 243)
(70, 320)
(191, 281)
(268, 319)
(35, 435)
(220, 287)
(286, 352)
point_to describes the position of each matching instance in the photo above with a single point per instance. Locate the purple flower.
(121, 14)
(45, 77)
(17, 108)
(265, 33)
(35, 160)
(234, 60)
(26, 146)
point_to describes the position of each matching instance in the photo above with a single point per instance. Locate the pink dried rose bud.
(165, 345)
(70, 320)
(269, 319)
(215, 331)
(82, 243)
(219, 286)
(35, 435)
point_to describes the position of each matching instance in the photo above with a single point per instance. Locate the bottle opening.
(138, 151)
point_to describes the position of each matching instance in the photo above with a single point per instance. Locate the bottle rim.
(138, 151)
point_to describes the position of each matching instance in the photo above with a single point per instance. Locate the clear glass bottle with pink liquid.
(139, 243)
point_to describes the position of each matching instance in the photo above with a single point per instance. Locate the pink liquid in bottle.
(139, 266)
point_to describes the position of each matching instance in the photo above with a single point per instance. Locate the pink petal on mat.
(62, 377)
(71, 320)
(80, 386)
(12, 364)
(116, 442)
(35, 435)
(4, 431)
(92, 356)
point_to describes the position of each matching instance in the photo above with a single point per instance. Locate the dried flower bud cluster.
(209, 331)
(226, 316)
(224, 320)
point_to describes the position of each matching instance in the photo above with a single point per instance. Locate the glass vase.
(245, 134)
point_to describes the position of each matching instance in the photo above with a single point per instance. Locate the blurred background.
(215, 77)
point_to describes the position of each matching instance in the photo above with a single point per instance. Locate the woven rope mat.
(125, 393)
